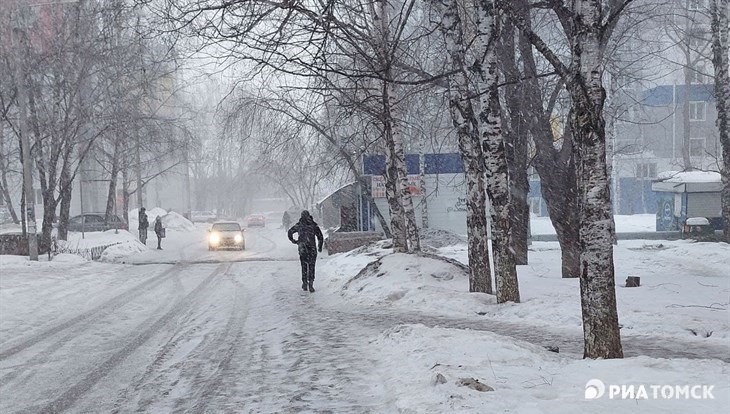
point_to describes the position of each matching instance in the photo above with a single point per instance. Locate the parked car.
(226, 234)
(95, 222)
(203, 216)
(256, 220)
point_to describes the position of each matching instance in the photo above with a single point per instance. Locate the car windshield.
(226, 227)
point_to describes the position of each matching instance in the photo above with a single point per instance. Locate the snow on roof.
(322, 200)
(689, 177)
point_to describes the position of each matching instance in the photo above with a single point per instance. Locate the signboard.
(378, 185)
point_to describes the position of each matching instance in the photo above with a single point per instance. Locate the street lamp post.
(25, 143)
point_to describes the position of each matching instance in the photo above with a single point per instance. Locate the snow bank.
(171, 221)
(13, 264)
(624, 224)
(119, 252)
(97, 238)
(406, 281)
(683, 293)
(425, 365)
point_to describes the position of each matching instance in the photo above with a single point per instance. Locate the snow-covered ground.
(185, 329)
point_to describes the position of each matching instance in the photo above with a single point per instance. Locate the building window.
(697, 111)
(646, 170)
(697, 147)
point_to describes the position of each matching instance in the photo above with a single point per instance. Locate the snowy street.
(186, 329)
(198, 336)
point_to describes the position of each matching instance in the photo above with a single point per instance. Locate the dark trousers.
(308, 261)
(159, 240)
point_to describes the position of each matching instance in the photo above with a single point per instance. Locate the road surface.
(185, 329)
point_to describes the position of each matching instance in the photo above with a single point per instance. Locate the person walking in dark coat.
(307, 230)
(159, 231)
(144, 224)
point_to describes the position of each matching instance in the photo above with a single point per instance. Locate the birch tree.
(464, 118)
(720, 45)
(495, 156)
(588, 25)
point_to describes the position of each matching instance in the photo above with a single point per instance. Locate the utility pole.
(24, 141)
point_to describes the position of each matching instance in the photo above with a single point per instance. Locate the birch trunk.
(403, 216)
(602, 338)
(492, 140)
(720, 47)
(422, 183)
(466, 124)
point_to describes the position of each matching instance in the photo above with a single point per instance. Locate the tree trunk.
(720, 45)
(125, 195)
(397, 215)
(422, 184)
(597, 284)
(65, 212)
(467, 126)
(4, 179)
(505, 271)
(515, 136)
(401, 204)
(556, 167)
(23, 211)
(686, 156)
(111, 197)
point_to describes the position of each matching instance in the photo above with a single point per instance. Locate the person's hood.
(306, 218)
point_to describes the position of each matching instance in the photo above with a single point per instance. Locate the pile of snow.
(18, 263)
(428, 366)
(412, 282)
(96, 239)
(120, 244)
(170, 220)
(683, 293)
(689, 177)
(119, 252)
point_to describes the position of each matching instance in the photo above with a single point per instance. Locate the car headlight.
(238, 238)
(215, 238)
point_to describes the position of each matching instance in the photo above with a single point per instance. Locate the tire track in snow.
(96, 312)
(210, 383)
(68, 398)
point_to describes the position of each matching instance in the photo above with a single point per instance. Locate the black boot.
(311, 286)
(304, 285)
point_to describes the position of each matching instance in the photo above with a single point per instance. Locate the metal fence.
(89, 253)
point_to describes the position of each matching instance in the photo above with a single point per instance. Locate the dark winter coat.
(307, 231)
(144, 224)
(158, 227)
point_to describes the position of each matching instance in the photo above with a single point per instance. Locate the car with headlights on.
(226, 235)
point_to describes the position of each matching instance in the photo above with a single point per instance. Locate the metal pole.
(27, 161)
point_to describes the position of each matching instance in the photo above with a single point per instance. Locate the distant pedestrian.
(307, 230)
(286, 220)
(144, 224)
(159, 231)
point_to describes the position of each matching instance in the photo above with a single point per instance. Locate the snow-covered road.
(188, 330)
(185, 329)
